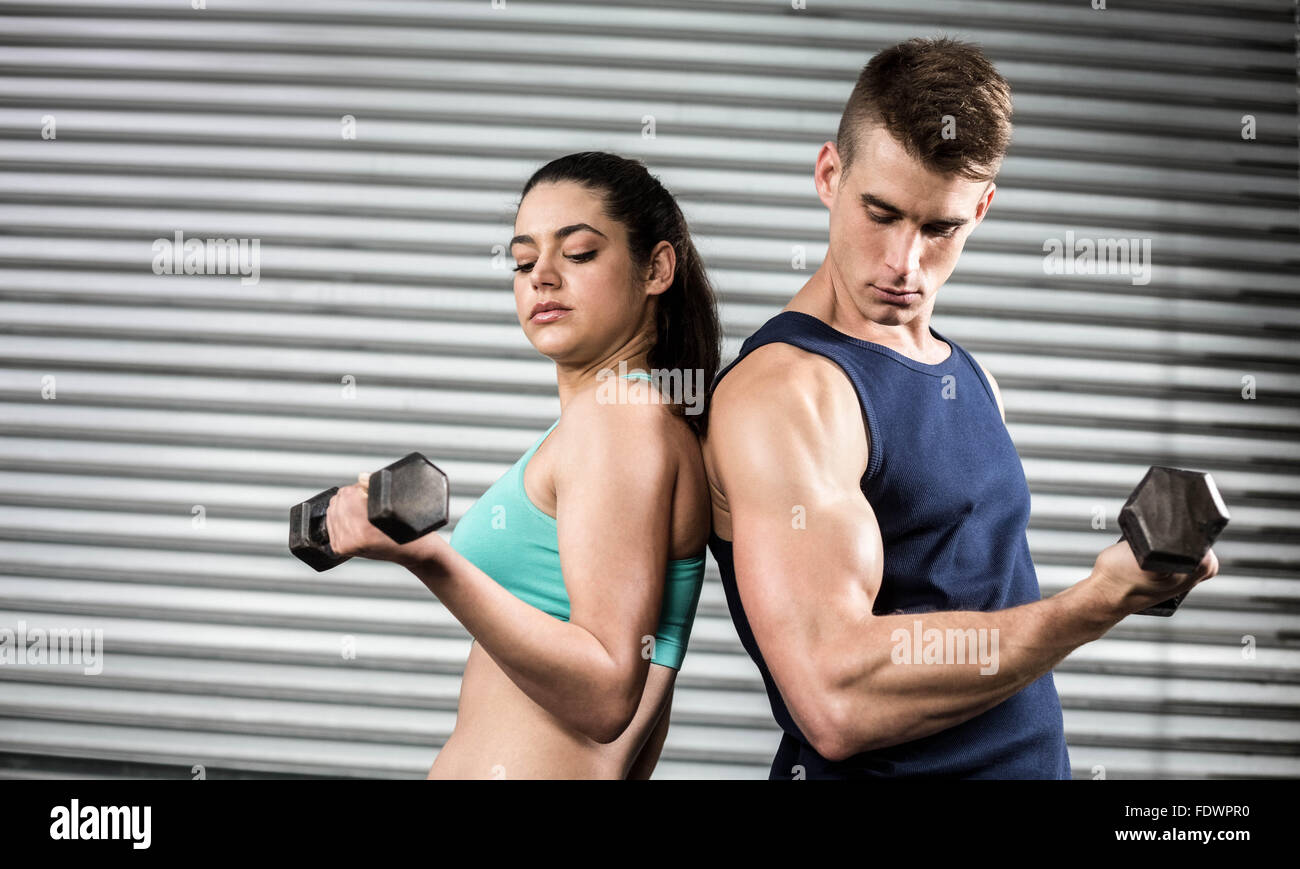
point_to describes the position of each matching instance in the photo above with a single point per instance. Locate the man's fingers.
(364, 481)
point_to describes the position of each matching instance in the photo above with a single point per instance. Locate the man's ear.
(827, 173)
(982, 207)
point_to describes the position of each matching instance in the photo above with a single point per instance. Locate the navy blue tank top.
(950, 495)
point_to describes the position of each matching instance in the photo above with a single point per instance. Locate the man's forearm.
(903, 680)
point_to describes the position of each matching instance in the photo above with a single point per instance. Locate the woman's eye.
(575, 257)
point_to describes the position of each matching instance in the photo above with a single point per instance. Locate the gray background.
(377, 262)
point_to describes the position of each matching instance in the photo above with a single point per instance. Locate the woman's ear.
(663, 265)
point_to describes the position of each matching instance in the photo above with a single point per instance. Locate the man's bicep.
(790, 448)
(804, 539)
(805, 553)
(802, 554)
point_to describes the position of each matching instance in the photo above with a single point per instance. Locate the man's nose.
(903, 254)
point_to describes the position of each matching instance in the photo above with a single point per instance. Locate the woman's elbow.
(608, 725)
(610, 715)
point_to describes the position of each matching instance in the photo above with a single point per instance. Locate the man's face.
(896, 228)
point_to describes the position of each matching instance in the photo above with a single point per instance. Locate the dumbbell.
(407, 499)
(1170, 521)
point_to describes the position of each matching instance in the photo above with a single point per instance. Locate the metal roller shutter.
(377, 263)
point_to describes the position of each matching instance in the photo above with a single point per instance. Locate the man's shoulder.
(778, 369)
(993, 387)
(781, 384)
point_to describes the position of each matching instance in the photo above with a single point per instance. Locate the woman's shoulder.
(618, 442)
(634, 417)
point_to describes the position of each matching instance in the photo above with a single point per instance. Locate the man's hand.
(1130, 589)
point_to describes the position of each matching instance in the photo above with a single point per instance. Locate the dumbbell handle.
(1165, 608)
(309, 536)
(320, 530)
(406, 500)
(1169, 522)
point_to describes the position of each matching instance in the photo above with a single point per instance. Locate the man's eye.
(524, 267)
(941, 233)
(878, 219)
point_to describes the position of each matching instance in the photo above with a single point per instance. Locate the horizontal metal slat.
(1128, 128)
(186, 748)
(701, 99)
(1117, 248)
(424, 616)
(510, 170)
(510, 341)
(573, 32)
(198, 463)
(1178, 23)
(484, 443)
(694, 190)
(559, 137)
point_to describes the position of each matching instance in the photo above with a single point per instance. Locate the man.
(869, 506)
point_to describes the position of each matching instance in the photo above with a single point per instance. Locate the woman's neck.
(575, 379)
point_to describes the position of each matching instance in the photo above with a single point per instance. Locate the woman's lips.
(550, 315)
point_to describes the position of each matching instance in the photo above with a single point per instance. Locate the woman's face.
(575, 293)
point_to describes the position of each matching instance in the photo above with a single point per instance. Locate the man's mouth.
(896, 298)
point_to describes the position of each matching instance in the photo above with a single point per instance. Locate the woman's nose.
(544, 273)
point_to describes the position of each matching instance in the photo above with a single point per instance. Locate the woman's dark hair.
(688, 334)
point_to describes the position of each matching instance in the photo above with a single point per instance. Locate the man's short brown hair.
(943, 101)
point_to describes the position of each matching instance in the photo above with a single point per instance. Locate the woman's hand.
(351, 533)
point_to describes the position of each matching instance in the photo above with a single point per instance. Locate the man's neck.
(819, 298)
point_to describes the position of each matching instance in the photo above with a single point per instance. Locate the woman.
(571, 671)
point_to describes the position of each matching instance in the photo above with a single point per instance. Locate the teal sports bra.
(505, 535)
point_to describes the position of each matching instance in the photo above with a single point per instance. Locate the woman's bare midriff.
(501, 733)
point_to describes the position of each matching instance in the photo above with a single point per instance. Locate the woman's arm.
(648, 757)
(614, 478)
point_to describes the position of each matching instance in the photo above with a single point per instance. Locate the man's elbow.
(826, 724)
(832, 715)
(833, 743)
(837, 732)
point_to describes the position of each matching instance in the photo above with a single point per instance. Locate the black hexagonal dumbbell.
(1170, 521)
(407, 499)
